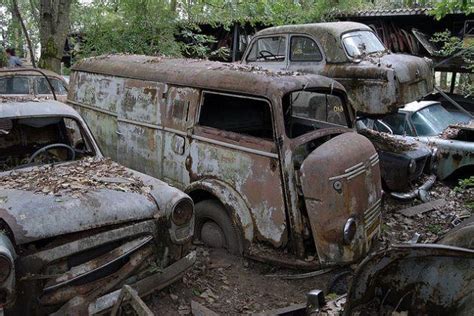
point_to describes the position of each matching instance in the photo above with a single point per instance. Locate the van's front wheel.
(214, 227)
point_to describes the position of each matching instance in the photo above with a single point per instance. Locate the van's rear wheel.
(214, 227)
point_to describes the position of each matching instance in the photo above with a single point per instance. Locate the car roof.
(416, 106)
(28, 72)
(31, 108)
(204, 74)
(328, 34)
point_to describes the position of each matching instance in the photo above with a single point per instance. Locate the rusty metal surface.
(198, 74)
(254, 178)
(347, 187)
(421, 279)
(376, 84)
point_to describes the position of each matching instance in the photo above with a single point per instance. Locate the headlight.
(182, 213)
(412, 166)
(5, 268)
(350, 229)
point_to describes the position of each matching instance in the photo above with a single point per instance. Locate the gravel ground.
(229, 285)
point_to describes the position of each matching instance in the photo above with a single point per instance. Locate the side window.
(319, 106)
(396, 122)
(303, 48)
(14, 85)
(240, 115)
(268, 49)
(42, 86)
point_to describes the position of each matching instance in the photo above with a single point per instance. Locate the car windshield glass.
(359, 43)
(42, 86)
(306, 111)
(434, 119)
(14, 85)
(39, 140)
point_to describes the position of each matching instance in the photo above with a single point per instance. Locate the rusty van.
(377, 81)
(268, 180)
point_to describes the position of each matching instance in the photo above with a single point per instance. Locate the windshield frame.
(344, 36)
(348, 112)
(85, 133)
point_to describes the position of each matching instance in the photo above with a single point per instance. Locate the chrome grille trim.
(371, 214)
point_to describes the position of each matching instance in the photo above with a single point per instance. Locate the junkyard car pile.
(282, 167)
(74, 225)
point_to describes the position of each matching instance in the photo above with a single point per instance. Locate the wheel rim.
(212, 235)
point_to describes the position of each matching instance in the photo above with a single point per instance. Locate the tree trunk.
(54, 27)
(25, 32)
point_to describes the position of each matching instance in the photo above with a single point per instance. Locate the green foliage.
(464, 184)
(444, 7)
(199, 45)
(3, 58)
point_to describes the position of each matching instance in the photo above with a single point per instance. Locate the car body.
(429, 122)
(281, 187)
(376, 80)
(74, 225)
(18, 82)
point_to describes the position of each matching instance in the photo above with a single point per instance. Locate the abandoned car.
(75, 226)
(263, 177)
(429, 122)
(33, 82)
(377, 81)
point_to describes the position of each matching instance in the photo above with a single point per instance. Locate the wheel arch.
(230, 199)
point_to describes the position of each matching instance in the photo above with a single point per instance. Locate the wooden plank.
(422, 208)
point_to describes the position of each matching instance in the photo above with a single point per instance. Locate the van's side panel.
(99, 97)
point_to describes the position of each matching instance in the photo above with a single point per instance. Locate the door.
(305, 55)
(269, 52)
(233, 142)
(178, 119)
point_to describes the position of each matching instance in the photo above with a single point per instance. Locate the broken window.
(238, 114)
(14, 85)
(304, 49)
(42, 86)
(307, 110)
(268, 49)
(38, 140)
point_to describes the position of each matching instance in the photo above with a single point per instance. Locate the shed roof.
(204, 74)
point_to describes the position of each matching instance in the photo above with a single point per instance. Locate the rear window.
(242, 115)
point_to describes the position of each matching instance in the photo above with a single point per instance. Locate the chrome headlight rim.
(350, 230)
(182, 212)
(6, 267)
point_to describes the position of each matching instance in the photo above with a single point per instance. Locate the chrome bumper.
(421, 192)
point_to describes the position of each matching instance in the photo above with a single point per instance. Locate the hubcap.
(212, 235)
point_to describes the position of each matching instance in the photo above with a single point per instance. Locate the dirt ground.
(230, 285)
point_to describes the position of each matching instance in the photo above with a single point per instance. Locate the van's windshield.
(359, 43)
(306, 111)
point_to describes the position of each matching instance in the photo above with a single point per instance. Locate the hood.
(34, 216)
(48, 201)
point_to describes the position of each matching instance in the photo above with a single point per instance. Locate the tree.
(17, 13)
(54, 24)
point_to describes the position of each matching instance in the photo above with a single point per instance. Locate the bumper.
(89, 306)
(421, 192)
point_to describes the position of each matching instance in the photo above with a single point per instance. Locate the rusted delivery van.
(246, 144)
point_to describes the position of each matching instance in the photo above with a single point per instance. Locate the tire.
(219, 230)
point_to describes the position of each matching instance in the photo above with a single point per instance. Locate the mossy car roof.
(328, 34)
(204, 74)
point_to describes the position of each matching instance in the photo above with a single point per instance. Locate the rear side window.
(304, 49)
(237, 114)
(268, 49)
(14, 85)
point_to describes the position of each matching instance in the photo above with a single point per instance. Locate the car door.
(305, 54)
(233, 142)
(269, 52)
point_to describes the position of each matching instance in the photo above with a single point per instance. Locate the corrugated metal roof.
(387, 12)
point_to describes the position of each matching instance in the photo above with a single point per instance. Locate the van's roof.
(328, 34)
(204, 74)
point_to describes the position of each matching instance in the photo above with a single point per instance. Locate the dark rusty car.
(377, 81)
(268, 182)
(75, 226)
(41, 83)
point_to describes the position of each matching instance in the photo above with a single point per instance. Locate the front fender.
(231, 199)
